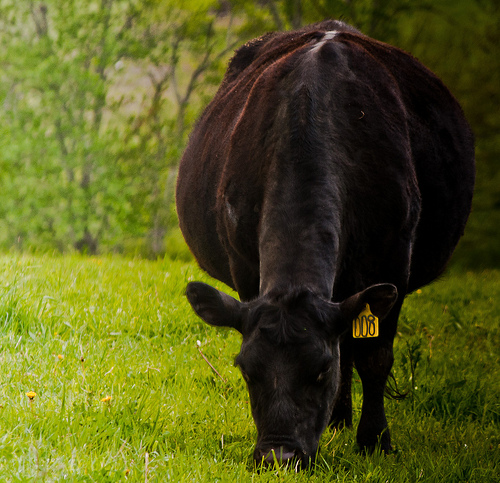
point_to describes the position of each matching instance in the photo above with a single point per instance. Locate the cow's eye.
(324, 373)
(245, 375)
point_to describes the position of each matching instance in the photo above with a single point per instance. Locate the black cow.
(329, 172)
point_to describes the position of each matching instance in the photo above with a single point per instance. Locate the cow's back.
(223, 174)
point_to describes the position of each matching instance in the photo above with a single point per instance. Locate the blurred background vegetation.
(97, 98)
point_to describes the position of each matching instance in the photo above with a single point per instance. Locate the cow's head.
(289, 359)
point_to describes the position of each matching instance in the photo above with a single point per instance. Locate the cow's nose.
(268, 457)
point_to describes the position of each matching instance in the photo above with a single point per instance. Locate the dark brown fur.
(327, 163)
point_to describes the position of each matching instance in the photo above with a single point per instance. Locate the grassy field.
(109, 346)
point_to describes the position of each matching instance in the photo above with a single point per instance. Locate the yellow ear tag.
(365, 324)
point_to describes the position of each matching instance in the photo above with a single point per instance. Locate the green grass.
(124, 329)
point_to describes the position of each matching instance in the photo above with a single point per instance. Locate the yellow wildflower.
(106, 399)
(31, 395)
(60, 356)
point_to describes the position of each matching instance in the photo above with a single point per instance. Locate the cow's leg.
(373, 359)
(374, 365)
(342, 410)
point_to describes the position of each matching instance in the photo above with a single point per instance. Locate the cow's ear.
(380, 298)
(215, 307)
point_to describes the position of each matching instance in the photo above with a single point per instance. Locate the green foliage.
(97, 99)
(124, 329)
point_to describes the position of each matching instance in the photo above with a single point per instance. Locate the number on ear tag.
(365, 324)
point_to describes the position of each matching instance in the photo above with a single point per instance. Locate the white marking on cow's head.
(326, 37)
(329, 35)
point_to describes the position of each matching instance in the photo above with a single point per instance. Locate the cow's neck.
(299, 230)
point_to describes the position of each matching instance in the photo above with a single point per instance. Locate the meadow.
(113, 352)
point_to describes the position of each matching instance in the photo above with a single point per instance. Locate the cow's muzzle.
(280, 455)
